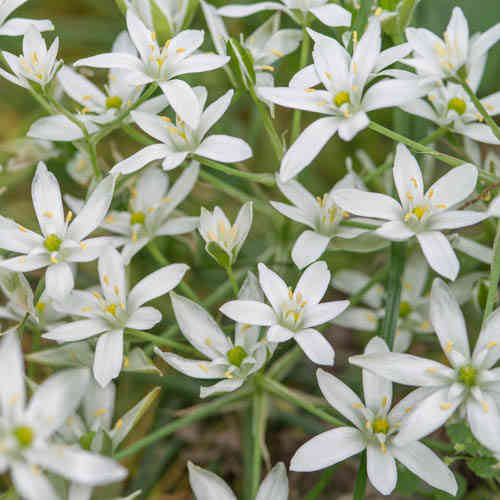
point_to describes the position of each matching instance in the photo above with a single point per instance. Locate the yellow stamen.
(105, 279)
(100, 411)
(53, 259)
(126, 361)
(445, 406)
(116, 289)
(245, 327)
(384, 401)
(110, 219)
(69, 217)
(431, 370)
(208, 341)
(492, 344)
(484, 404)
(448, 347)
(119, 423)
(23, 229)
(203, 366)
(228, 375)
(378, 12)
(48, 214)
(357, 405)
(266, 67)
(83, 246)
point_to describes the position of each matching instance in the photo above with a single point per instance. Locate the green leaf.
(483, 466)
(241, 64)
(462, 488)
(10, 495)
(122, 6)
(219, 254)
(76, 354)
(464, 441)
(161, 24)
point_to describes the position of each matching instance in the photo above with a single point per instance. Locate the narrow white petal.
(439, 254)
(381, 469)
(249, 312)
(227, 385)
(278, 333)
(183, 100)
(141, 158)
(108, 357)
(77, 330)
(214, 113)
(247, 10)
(179, 225)
(224, 148)
(317, 314)
(453, 187)
(332, 15)
(407, 175)
(313, 283)
(308, 248)
(144, 318)
(207, 485)
(315, 346)
(197, 368)
(367, 204)
(55, 128)
(484, 420)
(454, 219)
(31, 483)
(59, 280)
(112, 275)
(275, 485)
(274, 288)
(394, 230)
(377, 390)
(16, 238)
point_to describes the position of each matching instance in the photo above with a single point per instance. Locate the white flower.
(26, 439)
(108, 315)
(37, 64)
(345, 101)
(62, 240)
(219, 234)
(187, 136)
(489, 162)
(321, 214)
(413, 309)
(376, 430)
(233, 363)
(79, 168)
(27, 152)
(178, 13)
(18, 26)
(449, 105)
(142, 9)
(156, 64)
(419, 214)
(292, 314)
(437, 58)
(207, 486)
(328, 13)
(152, 206)
(470, 384)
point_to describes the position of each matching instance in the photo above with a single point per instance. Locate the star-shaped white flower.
(37, 64)
(321, 214)
(328, 13)
(152, 213)
(18, 26)
(63, 240)
(345, 100)
(231, 362)
(187, 136)
(470, 384)
(27, 440)
(437, 58)
(419, 214)
(207, 486)
(156, 64)
(376, 430)
(292, 314)
(109, 313)
(220, 235)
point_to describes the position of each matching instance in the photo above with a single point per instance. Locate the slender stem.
(321, 484)
(494, 277)
(398, 257)
(280, 368)
(304, 55)
(268, 125)
(274, 387)
(233, 281)
(262, 178)
(434, 136)
(163, 261)
(360, 21)
(137, 135)
(197, 414)
(259, 418)
(155, 339)
(449, 160)
(360, 485)
(480, 107)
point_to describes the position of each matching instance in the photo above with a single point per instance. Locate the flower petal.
(224, 148)
(141, 158)
(59, 281)
(274, 288)
(308, 248)
(367, 204)
(278, 333)
(144, 318)
(196, 368)
(30, 483)
(183, 100)
(275, 485)
(249, 312)
(16, 238)
(381, 469)
(439, 254)
(315, 346)
(407, 175)
(453, 219)
(206, 484)
(77, 330)
(247, 10)
(332, 15)
(394, 230)
(484, 421)
(112, 275)
(214, 113)
(313, 283)
(108, 357)
(227, 385)
(317, 314)
(453, 187)
(377, 390)
(178, 225)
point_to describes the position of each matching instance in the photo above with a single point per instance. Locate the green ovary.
(137, 218)
(24, 435)
(380, 426)
(114, 102)
(52, 243)
(458, 105)
(342, 98)
(236, 355)
(467, 375)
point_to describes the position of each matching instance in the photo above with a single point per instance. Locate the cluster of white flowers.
(68, 429)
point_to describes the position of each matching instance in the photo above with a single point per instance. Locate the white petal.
(278, 333)
(390, 56)
(292, 97)
(395, 230)
(154, 125)
(224, 148)
(453, 187)
(55, 128)
(489, 333)
(357, 318)
(60, 281)
(247, 10)
(367, 204)
(227, 385)
(306, 78)
(377, 390)
(350, 127)
(484, 421)
(144, 318)
(392, 92)
(18, 26)
(275, 485)
(108, 357)
(196, 368)
(273, 286)
(309, 144)
(424, 463)
(214, 113)
(315, 346)
(350, 281)
(407, 175)
(141, 158)
(31, 483)
(332, 15)
(112, 275)
(328, 448)
(206, 485)
(184, 184)
(448, 320)
(47, 202)
(183, 100)
(81, 90)
(14, 239)
(79, 465)
(179, 225)
(317, 314)
(453, 219)
(156, 284)
(308, 248)
(56, 399)
(381, 469)
(314, 282)
(199, 327)
(26, 262)
(77, 330)
(404, 369)
(300, 197)
(200, 63)
(173, 160)
(439, 254)
(111, 60)
(249, 312)
(484, 42)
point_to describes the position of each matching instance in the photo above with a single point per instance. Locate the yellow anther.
(86, 97)
(384, 401)
(252, 40)
(208, 341)
(378, 11)
(277, 53)
(180, 50)
(345, 213)
(69, 421)
(204, 367)
(407, 216)
(290, 294)
(69, 217)
(357, 405)
(85, 110)
(22, 259)
(22, 229)
(355, 36)
(409, 196)
(328, 75)
(431, 193)
(371, 317)
(86, 309)
(99, 412)
(48, 214)
(167, 44)
(321, 103)
(134, 236)
(355, 88)
(126, 361)
(492, 344)
(111, 309)
(431, 370)
(105, 279)
(153, 36)
(355, 67)
(97, 295)
(368, 425)
(122, 305)
(425, 325)
(83, 246)
(383, 447)
(266, 67)
(228, 375)
(445, 406)
(53, 259)
(119, 423)
(414, 181)
(448, 347)
(441, 205)
(245, 327)
(409, 409)
(489, 107)
(110, 219)
(211, 236)
(431, 97)
(484, 404)
(116, 289)
(398, 331)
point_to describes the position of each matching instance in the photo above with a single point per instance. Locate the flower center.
(467, 375)
(40, 307)
(342, 97)
(404, 309)
(137, 218)
(458, 105)
(293, 309)
(380, 426)
(419, 211)
(236, 355)
(114, 102)
(52, 243)
(24, 435)
(111, 309)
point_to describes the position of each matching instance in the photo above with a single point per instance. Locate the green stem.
(262, 178)
(394, 287)
(360, 21)
(480, 107)
(259, 418)
(360, 485)
(157, 340)
(274, 387)
(304, 55)
(233, 281)
(199, 413)
(494, 277)
(280, 368)
(434, 136)
(321, 484)
(137, 135)
(162, 260)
